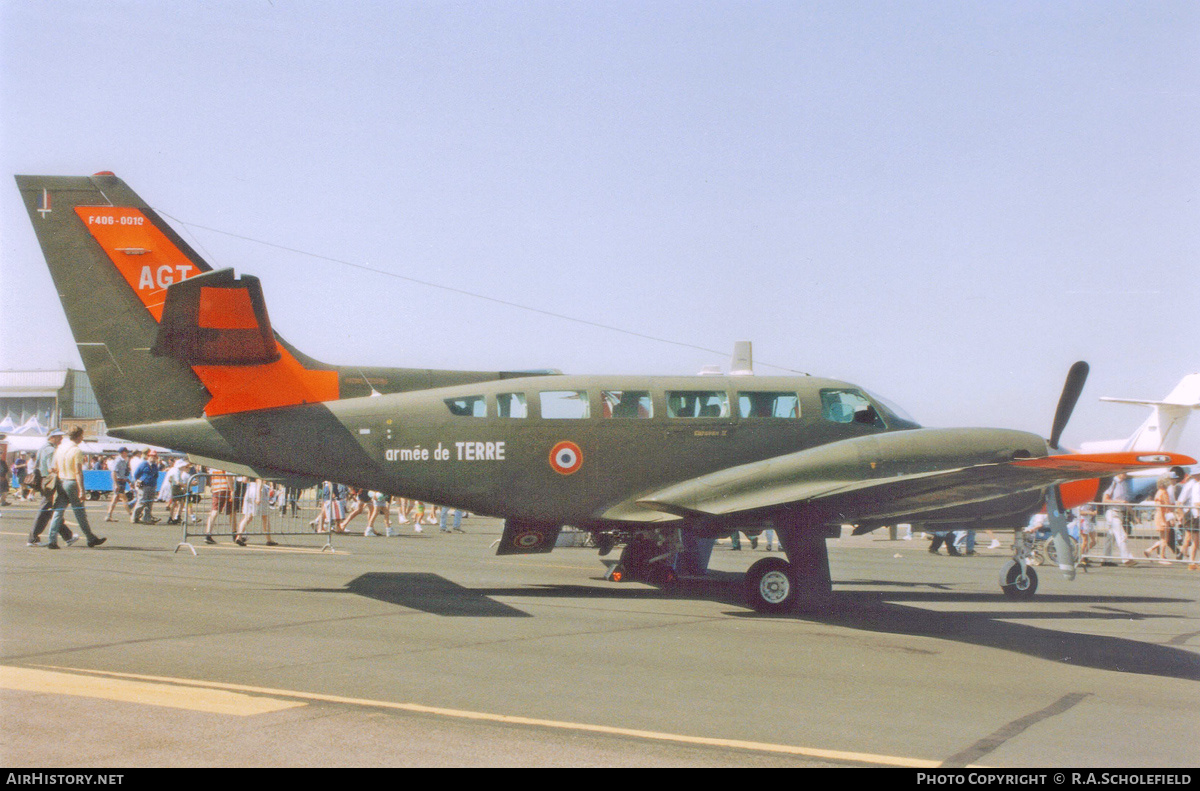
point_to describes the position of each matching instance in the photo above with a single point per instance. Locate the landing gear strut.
(1018, 580)
(774, 585)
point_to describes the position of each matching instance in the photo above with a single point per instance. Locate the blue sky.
(945, 202)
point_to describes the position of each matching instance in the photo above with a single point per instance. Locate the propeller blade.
(1066, 402)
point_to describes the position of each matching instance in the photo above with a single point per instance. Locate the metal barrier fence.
(232, 507)
(1121, 532)
(241, 509)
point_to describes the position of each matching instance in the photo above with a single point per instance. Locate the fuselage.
(557, 448)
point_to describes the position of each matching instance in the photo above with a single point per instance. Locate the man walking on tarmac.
(146, 478)
(44, 464)
(68, 463)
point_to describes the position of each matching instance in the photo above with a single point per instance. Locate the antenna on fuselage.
(743, 359)
(374, 392)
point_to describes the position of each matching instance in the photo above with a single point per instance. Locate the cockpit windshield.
(899, 418)
(848, 405)
(851, 405)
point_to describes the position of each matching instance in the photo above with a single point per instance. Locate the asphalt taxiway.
(429, 650)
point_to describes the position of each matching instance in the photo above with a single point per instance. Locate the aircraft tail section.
(116, 263)
(162, 335)
(111, 258)
(1162, 429)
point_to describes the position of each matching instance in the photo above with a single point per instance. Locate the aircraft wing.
(847, 485)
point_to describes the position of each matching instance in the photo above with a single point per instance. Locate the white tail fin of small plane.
(1162, 429)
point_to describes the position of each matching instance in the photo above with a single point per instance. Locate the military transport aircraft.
(182, 356)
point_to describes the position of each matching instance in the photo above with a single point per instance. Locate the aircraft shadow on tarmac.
(428, 593)
(437, 595)
(886, 612)
(889, 613)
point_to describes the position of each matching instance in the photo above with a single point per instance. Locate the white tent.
(31, 426)
(29, 443)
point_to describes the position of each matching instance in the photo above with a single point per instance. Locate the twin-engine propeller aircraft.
(183, 356)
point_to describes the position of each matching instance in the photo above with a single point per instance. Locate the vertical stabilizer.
(1162, 429)
(113, 326)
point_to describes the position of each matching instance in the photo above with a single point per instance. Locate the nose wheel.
(1018, 582)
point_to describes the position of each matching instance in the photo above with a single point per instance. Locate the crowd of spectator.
(140, 480)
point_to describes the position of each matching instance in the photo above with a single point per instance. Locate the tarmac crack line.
(989, 744)
(1182, 639)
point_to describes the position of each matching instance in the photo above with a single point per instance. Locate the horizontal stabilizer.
(216, 319)
(1186, 393)
(1140, 402)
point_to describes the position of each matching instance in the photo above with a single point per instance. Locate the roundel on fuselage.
(566, 457)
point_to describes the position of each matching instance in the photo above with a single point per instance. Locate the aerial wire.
(464, 292)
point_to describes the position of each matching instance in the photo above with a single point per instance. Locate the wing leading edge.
(885, 477)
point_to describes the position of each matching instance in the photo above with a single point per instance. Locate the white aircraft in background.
(1162, 429)
(1160, 433)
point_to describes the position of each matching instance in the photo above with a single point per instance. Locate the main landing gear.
(772, 585)
(802, 582)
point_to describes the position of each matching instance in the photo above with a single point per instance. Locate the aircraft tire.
(770, 586)
(1012, 586)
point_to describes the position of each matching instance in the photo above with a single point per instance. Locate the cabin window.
(697, 403)
(849, 406)
(565, 404)
(627, 403)
(768, 404)
(511, 405)
(467, 406)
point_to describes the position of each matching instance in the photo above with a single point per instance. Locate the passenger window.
(511, 405)
(565, 404)
(785, 405)
(697, 403)
(467, 406)
(849, 406)
(627, 403)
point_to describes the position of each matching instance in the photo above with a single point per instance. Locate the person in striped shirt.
(222, 501)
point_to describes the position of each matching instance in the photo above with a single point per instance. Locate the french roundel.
(528, 540)
(566, 457)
